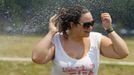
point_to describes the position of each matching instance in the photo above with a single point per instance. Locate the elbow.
(37, 59)
(124, 55)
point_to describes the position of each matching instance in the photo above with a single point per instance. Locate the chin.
(87, 35)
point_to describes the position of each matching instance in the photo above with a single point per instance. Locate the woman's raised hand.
(106, 20)
(53, 24)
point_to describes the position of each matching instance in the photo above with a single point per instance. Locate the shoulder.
(95, 34)
(55, 37)
(96, 37)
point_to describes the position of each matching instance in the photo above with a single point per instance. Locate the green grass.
(24, 68)
(29, 68)
(21, 46)
(17, 46)
(106, 69)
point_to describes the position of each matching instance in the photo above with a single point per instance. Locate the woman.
(73, 48)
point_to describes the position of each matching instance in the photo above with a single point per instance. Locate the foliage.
(31, 16)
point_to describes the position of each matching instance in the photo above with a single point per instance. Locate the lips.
(87, 31)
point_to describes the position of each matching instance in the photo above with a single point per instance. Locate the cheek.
(79, 31)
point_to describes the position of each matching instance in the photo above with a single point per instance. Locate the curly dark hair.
(70, 14)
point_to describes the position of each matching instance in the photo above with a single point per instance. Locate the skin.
(112, 46)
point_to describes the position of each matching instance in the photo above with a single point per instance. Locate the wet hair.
(70, 14)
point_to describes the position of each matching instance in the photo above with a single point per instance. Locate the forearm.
(41, 50)
(119, 44)
(46, 42)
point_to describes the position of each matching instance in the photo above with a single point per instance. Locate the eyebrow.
(87, 22)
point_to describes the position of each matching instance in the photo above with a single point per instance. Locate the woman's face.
(85, 25)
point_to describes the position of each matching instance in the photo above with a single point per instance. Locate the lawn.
(23, 68)
(17, 46)
(30, 68)
(21, 46)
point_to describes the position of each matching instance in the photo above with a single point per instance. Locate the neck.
(75, 38)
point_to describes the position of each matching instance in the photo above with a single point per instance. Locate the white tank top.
(63, 64)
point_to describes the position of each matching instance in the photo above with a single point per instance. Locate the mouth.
(87, 31)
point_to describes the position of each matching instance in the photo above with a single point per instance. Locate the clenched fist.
(106, 20)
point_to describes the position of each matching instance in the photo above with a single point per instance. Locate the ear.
(71, 24)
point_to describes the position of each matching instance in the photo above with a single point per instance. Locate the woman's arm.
(112, 46)
(44, 50)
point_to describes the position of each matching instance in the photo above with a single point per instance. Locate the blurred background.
(31, 16)
(24, 22)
